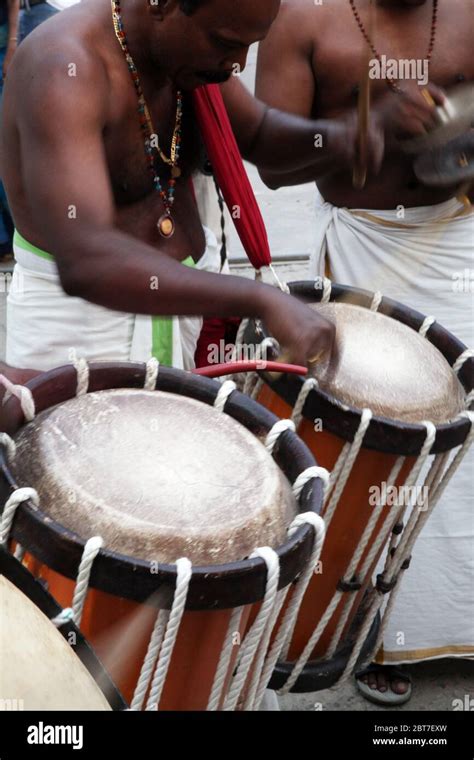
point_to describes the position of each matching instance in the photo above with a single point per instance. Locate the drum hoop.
(211, 587)
(383, 434)
(25, 582)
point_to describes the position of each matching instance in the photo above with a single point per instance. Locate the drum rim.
(211, 587)
(24, 581)
(383, 434)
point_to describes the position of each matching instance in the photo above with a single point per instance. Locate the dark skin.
(322, 48)
(76, 142)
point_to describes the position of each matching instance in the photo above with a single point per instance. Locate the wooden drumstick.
(359, 172)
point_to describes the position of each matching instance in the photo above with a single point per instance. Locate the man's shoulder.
(305, 20)
(59, 48)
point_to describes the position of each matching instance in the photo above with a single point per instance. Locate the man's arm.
(68, 191)
(284, 145)
(287, 145)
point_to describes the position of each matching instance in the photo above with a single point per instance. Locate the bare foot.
(381, 679)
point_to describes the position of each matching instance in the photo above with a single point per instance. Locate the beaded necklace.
(165, 224)
(391, 82)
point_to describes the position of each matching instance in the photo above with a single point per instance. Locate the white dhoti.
(47, 328)
(423, 259)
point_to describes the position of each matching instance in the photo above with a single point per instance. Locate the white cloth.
(428, 266)
(47, 328)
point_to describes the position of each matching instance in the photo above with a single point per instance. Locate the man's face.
(212, 43)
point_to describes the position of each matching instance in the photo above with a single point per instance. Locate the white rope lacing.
(65, 616)
(427, 323)
(288, 622)
(376, 542)
(19, 552)
(18, 496)
(183, 578)
(309, 385)
(344, 465)
(376, 301)
(90, 552)
(151, 374)
(397, 554)
(462, 359)
(225, 658)
(311, 473)
(282, 285)
(82, 370)
(375, 546)
(256, 684)
(276, 431)
(149, 663)
(235, 356)
(392, 569)
(327, 289)
(257, 631)
(9, 444)
(394, 562)
(23, 394)
(257, 388)
(252, 378)
(225, 391)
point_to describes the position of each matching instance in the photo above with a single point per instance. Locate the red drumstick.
(230, 368)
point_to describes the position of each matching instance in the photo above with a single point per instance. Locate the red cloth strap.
(224, 155)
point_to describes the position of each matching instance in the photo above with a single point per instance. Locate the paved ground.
(287, 213)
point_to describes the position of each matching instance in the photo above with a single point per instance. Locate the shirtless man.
(311, 64)
(71, 141)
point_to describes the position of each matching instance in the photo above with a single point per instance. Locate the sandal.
(387, 698)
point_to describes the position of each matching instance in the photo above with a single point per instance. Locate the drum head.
(157, 475)
(38, 666)
(386, 366)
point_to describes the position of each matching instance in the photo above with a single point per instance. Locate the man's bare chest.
(340, 64)
(131, 175)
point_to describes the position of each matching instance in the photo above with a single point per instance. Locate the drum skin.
(37, 665)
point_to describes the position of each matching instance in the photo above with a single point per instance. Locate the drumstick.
(231, 368)
(359, 173)
(444, 111)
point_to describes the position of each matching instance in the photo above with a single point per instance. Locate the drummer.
(102, 230)
(413, 243)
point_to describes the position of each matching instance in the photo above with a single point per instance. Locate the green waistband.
(162, 327)
(21, 242)
(162, 333)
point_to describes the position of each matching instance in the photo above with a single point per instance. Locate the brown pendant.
(175, 172)
(166, 226)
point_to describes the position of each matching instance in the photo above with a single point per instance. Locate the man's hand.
(410, 112)
(343, 139)
(301, 332)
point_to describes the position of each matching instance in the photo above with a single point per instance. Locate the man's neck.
(138, 26)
